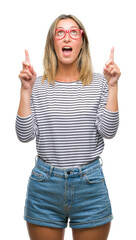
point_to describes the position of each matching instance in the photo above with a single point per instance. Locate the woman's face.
(67, 56)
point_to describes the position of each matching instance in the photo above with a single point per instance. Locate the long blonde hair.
(50, 62)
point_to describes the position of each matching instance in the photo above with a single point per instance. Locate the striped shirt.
(69, 121)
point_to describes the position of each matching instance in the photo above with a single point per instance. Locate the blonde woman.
(70, 110)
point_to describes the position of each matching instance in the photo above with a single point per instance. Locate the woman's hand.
(27, 75)
(111, 71)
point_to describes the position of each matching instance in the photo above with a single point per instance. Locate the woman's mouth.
(66, 50)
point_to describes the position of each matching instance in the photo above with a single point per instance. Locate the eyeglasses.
(73, 33)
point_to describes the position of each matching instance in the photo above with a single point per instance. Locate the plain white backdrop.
(24, 25)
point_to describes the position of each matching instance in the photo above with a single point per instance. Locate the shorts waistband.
(68, 172)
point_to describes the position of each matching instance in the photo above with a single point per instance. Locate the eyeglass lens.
(74, 33)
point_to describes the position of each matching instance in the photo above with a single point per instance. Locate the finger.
(108, 62)
(32, 71)
(27, 72)
(105, 69)
(26, 65)
(109, 68)
(24, 76)
(114, 71)
(27, 56)
(105, 72)
(112, 66)
(112, 54)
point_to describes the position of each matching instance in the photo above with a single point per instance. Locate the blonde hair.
(50, 62)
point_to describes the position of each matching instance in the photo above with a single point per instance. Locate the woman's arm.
(107, 119)
(25, 125)
(112, 101)
(112, 74)
(27, 77)
(24, 109)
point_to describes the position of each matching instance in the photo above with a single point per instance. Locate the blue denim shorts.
(78, 195)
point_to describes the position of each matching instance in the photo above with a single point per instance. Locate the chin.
(68, 61)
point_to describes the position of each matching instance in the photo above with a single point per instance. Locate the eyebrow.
(70, 27)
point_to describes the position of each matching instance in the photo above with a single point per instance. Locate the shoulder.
(39, 82)
(39, 86)
(99, 79)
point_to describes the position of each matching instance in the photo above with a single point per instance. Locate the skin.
(112, 73)
(67, 72)
(42, 233)
(27, 77)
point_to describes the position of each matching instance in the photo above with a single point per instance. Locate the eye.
(74, 32)
(60, 33)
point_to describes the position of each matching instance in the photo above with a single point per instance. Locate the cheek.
(56, 48)
(77, 49)
(78, 45)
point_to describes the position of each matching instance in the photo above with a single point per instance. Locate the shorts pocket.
(94, 177)
(38, 175)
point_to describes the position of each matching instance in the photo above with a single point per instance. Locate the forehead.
(67, 23)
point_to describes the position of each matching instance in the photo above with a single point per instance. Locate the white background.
(24, 25)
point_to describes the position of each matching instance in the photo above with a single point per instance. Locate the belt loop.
(65, 173)
(101, 161)
(50, 172)
(80, 170)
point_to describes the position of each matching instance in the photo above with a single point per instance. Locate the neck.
(67, 72)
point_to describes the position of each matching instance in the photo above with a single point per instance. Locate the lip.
(66, 53)
(67, 46)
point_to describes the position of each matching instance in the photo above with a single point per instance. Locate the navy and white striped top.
(69, 121)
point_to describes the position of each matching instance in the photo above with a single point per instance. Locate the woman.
(69, 110)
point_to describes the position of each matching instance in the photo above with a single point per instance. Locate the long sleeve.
(69, 121)
(106, 121)
(26, 127)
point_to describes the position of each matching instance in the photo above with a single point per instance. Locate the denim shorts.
(78, 195)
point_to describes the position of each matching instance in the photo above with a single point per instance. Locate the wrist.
(26, 92)
(113, 87)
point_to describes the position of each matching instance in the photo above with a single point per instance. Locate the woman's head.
(54, 48)
(68, 41)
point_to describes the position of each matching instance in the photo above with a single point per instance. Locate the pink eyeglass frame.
(67, 31)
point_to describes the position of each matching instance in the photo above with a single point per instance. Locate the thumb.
(32, 70)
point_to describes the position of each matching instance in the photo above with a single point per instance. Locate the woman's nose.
(67, 37)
